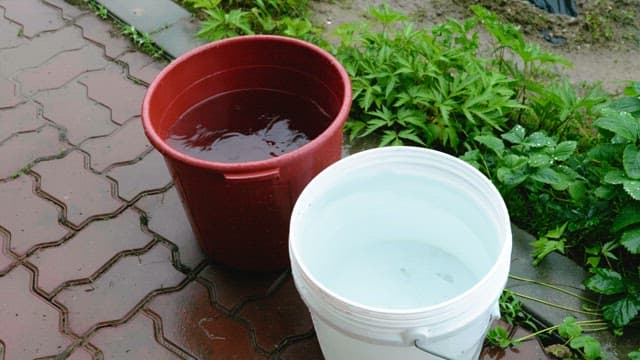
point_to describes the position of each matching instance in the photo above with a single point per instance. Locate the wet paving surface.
(97, 258)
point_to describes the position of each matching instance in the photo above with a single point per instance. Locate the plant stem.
(554, 287)
(591, 313)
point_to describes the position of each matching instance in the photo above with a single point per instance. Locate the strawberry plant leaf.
(631, 161)
(631, 240)
(491, 142)
(564, 150)
(619, 123)
(605, 281)
(628, 104)
(632, 187)
(589, 346)
(621, 312)
(628, 216)
(569, 328)
(634, 355)
(515, 135)
(544, 246)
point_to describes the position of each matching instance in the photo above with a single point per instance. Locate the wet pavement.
(97, 259)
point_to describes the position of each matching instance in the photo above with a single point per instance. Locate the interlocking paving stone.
(278, 316)
(5, 260)
(307, 349)
(141, 66)
(211, 334)
(102, 32)
(68, 11)
(80, 354)
(529, 350)
(81, 117)
(146, 15)
(111, 88)
(178, 38)
(8, 95)
(150, 173)
(84, 193)
(117, 291)
(34, 16)
(29, 324)
(33, 221)
(9, 33)
(233, 287)
(82, 255)
(21, 118)
(61, 69)
(40, 49)
(22, 149)
(167, 218)
(132, 340)
(125, 144)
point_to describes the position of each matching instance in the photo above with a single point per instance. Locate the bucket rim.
(402, 314)
(248, 166)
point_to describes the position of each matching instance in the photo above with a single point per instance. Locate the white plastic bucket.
(400, 253)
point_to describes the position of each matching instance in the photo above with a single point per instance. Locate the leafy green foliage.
(222, 19)
(498, 336)
(552, 241)
(424, 88)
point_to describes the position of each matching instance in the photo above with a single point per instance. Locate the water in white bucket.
(398, 245)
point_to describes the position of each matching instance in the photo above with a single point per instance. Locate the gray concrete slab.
(147, 15)
(178, 38)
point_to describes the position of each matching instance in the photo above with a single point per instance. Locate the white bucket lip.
(409, 151)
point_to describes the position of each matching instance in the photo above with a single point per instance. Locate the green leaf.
(634, 355)
(629, 215)
(577, 190)
(628, 104)
(631, 240)
(615, 177)
(511, 177)
(557, 232)
(513, 161)
(549, 176)
(589, 346)
(632, 187)
(569, 328)
(564, 150)
(409, 134)
(619, 123)
(499, 337)
(388, 138)
(605, 281)
(543, 247)
(491, 142)
(540, 160)
(515, 135)
(621, 312)
(538, 140)
(631, 161)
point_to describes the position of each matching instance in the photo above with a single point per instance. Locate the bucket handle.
(421, 334)
(254, 176)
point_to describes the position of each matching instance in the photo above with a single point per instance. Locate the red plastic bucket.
(240, 211)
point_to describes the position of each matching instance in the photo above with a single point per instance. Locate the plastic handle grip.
(253, 176)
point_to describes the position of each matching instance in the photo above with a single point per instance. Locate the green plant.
(229, 18)
(423, 88)
(141, 40)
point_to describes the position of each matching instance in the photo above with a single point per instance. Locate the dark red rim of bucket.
(272, 163)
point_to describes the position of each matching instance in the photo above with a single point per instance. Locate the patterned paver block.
(32, 221)
(141, 66)
(34, 16)
(40, 49)
(124, 145)
(61, 69)
(111, 88)
(307, 349)
(29, 325)
(9, 33)
(102, 32)
(132, 340)
(210, 334)
(68, 11)
(22, 149)
(8, 95)
(147, 15)
(22, 118)
(80, 354)
(117, 291)
(234, 287)
(167, 218)
(84, 193)
(81, 117)
(5, 260)
(281, 315)
(150, 173)
(84, 254)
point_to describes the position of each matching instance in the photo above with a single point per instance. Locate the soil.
(605, 50)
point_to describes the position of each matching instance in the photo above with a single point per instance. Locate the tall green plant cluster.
(228, 18)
